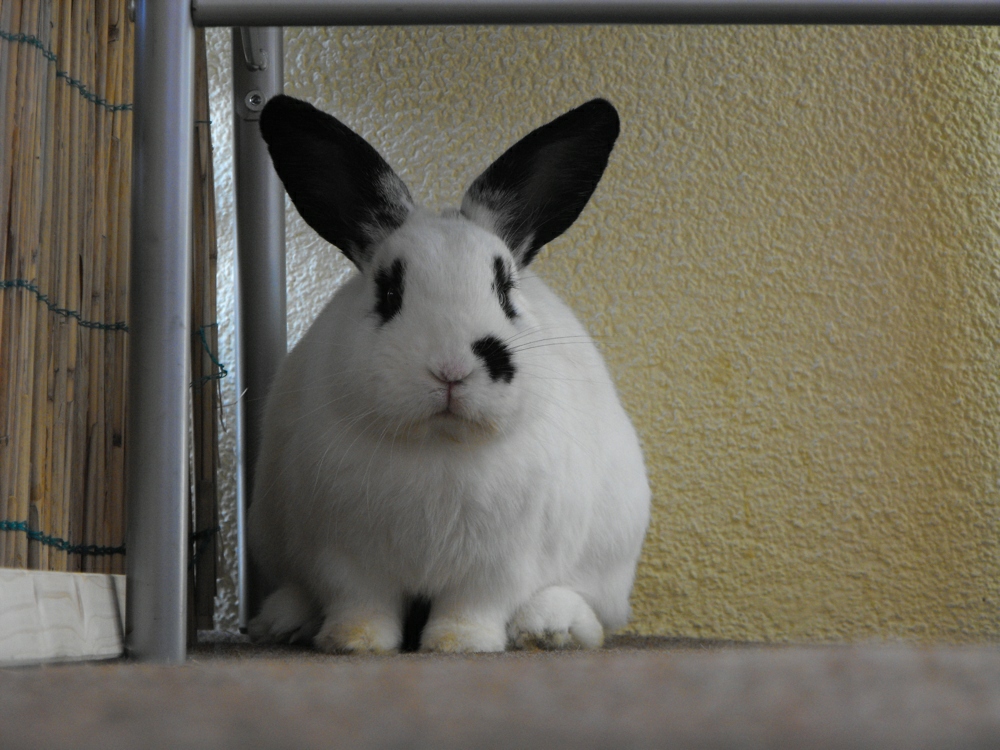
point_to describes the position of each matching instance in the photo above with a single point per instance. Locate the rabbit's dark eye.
(502, 284)
(389, 290)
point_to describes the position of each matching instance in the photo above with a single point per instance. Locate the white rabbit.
(444, 447)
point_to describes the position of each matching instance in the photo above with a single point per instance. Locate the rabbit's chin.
(451, 427)
(446, 426)
(460, 429)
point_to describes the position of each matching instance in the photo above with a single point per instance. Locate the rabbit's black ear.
(537, 188)
(341, 186)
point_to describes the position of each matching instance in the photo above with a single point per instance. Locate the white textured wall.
(792, 267)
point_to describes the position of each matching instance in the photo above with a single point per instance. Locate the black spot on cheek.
(389, 291)
(496, 357)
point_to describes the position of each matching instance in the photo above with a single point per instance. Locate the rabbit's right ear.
(340, 185)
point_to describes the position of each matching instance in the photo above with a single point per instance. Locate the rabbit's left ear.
(539, 186)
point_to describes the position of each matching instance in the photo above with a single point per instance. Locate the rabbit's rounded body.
(446, 430)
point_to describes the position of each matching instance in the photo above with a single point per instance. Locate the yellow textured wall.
(791, 266)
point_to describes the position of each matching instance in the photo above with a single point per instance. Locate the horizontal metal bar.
(431, 12)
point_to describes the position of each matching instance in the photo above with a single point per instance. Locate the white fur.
(520, 513)
(555, 617)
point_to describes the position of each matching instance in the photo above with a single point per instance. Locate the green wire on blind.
(48, 54)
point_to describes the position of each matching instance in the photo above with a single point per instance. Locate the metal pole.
(159, 332)
(258, 74)
(399, 12)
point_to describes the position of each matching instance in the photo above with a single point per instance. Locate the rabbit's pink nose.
(451, 374)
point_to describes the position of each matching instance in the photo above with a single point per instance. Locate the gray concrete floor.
(636, 693)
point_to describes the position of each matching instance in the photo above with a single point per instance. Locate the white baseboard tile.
(50, 617)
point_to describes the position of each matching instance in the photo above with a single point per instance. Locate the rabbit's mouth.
(450, 404)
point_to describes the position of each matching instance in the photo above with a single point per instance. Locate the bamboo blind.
(65, 182)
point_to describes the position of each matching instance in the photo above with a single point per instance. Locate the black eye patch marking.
(389, 290)
(496, 357)
(502, 284)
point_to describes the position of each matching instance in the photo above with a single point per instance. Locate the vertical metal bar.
(258, 74)
(159, 332)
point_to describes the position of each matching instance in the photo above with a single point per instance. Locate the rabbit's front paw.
(556, 617)
(287, 616)
(458, 634)
(359, 633)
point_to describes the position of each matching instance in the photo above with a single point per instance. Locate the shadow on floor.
(221, 644)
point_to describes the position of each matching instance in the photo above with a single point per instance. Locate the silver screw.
(254, 101)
